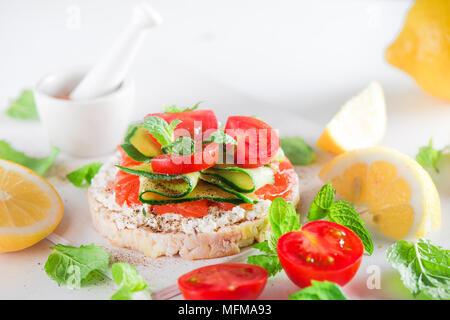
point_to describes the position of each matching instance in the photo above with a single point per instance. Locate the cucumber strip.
(133, 153)
(203, 190)
(142, 142)
(171, 186)
(246, 198)
(241, 179)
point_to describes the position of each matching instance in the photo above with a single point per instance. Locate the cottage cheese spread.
(133, 217)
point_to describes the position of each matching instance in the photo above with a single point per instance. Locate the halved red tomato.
(321, 250)
(126, 186)
(193, 209)
(285, 178)
(204, 119)
(226, 281)
(180, 164)
(257, 141)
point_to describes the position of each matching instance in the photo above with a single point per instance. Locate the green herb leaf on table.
(283, 219)
(297, 151)
(159, 129)
(38, 165)
(24, 107)
(82, 177)
(220, 137)
(263, 246)
(183, 145)
(319, 290)
(128, 279)
(342, 212)
(175, 109)
(428, 156)
(77, 266)
(270, 262)
(423, 267)
(322, 201)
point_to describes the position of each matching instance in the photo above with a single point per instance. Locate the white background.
(273, 58)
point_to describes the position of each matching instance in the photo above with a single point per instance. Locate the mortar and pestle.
(86, 113)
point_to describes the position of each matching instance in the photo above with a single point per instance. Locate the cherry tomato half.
(195, 119)
(257, 141)
(226, 281)
(179, 164)
(321, 250)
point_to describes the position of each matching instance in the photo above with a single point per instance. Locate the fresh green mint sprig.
(428, 156)
(297, 151)
(77, 267)
(38, 165)
(175, 109)
(83, 176)
(129, 280)
(160, 129)
(23, 107)
(423, 267)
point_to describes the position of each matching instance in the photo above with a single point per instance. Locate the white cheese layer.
(133, 217)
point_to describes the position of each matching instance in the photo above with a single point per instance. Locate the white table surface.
(291, 62)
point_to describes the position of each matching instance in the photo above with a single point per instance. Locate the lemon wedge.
(30, 208)
(393, 193)
(360, 123)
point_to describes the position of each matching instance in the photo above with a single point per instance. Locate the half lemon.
(393, 193)
(30, 208)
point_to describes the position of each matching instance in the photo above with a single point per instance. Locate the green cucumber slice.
(133, 153)
(142, 143)
(203, 190)
(171, 186)
(240, 179)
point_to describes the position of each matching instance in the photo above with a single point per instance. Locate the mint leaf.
(342, 212)
(220, 137)
(159, 129)
(269, 262)
(77, 266)
(184, 146)
(282, 217)
(429, 156)
(175, 109)
(325, 197)
(319, 290)
(297, 151)
(82, 177)
(423, 267)
(24, 107)
(263, 247)
(322, 201)
(316, 213)
(38, 165)
(128, 279)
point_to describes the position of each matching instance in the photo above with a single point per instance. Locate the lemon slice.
(360, 123)
(30, 208)
(393, 193)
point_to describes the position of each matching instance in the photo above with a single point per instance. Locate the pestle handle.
(110, 72)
